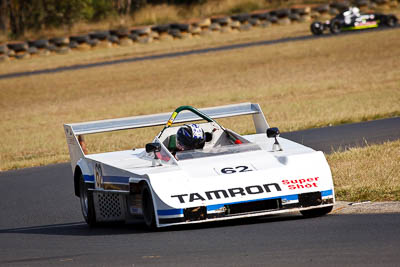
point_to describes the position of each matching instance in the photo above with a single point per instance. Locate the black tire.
(215, 27)
(93, 42)
(294, 17)
(113, 39)
(43, 43)
(176, 33)
(80, 39)
(282, 13)
(160, 28)
(60, 41)
(242, 18)
(273, 19)
(316, 212)
(100, 35)
(142, 31)
(148, 207)
(335, 27)
(179, 26)
(33, 50)
(262, 16)
(87, 204)
(120, 33)
(73, 44)
(18, 47)
(223, 21)
(317, 28)
(391, 21)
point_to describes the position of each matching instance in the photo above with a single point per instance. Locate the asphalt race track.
(41, 224)
(183, 53)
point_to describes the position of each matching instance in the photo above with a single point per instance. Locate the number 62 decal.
(235, 169)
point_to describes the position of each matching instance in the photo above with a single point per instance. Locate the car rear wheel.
(335, 27)
(391, 21)
(148, 207)
(87, 205)
(317, 28)
(316, 212)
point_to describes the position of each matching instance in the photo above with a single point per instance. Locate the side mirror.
(153, 147)
(273, 132)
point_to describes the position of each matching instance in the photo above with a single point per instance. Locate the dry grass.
(299, 85)
(370, 173)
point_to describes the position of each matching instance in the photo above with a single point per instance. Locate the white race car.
(232, 176)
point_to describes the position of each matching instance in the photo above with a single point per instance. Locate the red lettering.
(301, 183)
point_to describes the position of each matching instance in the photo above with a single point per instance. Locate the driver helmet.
(355, 10)
(190, 136)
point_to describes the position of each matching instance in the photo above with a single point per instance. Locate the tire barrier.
(59, 45)
(4, 52)
(123, 35)
(179, 30)
(19, 50)
(224, 24)
(161, 32)
(194, 28)
(262, 18)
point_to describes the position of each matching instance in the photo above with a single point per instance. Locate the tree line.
(18, 16)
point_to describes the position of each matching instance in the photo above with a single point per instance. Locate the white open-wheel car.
(232, 176)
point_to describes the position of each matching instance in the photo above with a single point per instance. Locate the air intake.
(253, 206)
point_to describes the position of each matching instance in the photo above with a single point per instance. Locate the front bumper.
(258, 207)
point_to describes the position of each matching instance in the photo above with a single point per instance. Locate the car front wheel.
(148, 207)
(335, 27)
(87, 204)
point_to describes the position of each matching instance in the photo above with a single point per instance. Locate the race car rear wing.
(92, 127)
(74, 132)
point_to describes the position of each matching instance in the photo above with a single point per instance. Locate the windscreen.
(216, 151)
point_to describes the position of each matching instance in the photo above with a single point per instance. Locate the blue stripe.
(170, 212)
(108, 179)
(115, 179)
(327, 193)
(88, 178)
(290, 197)
(214, 207)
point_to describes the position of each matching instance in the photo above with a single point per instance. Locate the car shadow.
(82, 229)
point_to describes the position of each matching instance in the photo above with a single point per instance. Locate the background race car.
(352, 19)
